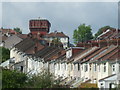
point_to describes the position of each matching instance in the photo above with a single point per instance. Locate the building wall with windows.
(104, 70)
(76, 71)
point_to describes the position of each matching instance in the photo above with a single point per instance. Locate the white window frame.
(95, 67)
(113, 68)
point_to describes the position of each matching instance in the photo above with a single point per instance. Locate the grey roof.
(48, 52)
(25, 44)
(11, 41)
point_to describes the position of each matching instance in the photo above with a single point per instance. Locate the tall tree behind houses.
(82, 34)
(18, 30)
(100, 31)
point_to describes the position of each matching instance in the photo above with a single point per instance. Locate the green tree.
(43, 80)
(82, 34)
(18, 30)
(4, 53)
(16, 79)
(13, 79)
(100, 31)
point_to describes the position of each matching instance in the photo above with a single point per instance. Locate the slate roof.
(58, 55)
(11, 41)
(103, 53)
(110, 55)
(23, 36)
(111, 49)
(107, 77)
(111, 33)
(11, 31)
(50, 53)
(94, 54)
(55, 34)
(86, 53)
(4, 38)
(76, 55)
(28, 45)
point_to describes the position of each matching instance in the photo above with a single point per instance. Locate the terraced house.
(95, 63)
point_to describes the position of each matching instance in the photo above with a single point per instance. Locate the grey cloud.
(63, 16)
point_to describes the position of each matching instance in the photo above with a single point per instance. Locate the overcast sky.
(63, 16)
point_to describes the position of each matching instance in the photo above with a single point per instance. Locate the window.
(78, 67)
(95, 67)
(45, 24)
(104, 67)
(71, 67)
(86, 67)
(99, 68)
(113, 68)
(21, 68)
(58, 66)
(81, 67)
(102, 86)
(90, 67)
(41, 23)
(65, 66)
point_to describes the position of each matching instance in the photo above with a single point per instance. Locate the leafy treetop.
(82, 34)
(18, 30)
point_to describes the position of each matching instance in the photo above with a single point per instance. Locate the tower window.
(41, 23)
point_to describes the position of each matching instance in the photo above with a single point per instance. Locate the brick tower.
(39, 26)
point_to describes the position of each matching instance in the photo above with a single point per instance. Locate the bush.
(4, 53)
(42, 80)
(13, 79)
